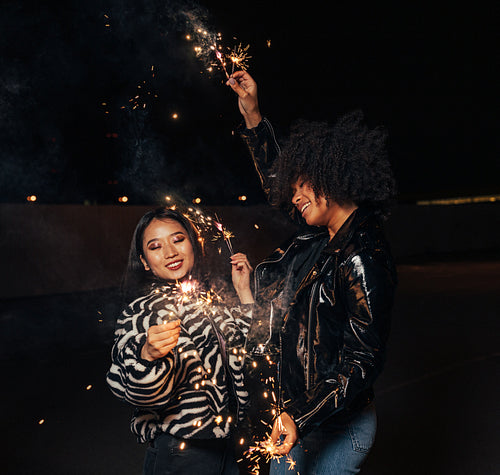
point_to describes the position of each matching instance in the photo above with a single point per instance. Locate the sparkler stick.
(219, 57)
(227, 235)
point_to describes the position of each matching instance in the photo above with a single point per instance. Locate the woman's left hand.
(241, 270)
(284, 425)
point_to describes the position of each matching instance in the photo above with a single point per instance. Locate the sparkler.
(227, 235)
(239, 57)
(208, 43)
(218, 54)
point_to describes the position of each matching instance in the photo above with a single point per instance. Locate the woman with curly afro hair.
(325, 296)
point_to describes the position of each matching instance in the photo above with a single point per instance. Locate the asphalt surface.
(437, 399)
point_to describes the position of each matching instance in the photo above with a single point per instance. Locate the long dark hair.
(136, 279)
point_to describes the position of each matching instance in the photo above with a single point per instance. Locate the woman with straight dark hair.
(178, 351)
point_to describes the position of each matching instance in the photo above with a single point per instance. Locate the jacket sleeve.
(131, 378)
(367, 281)
(264, 149)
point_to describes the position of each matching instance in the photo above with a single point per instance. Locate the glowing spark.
(292, 463)
(239, 57)
(183, 445)
(218, 54)
(227, 235)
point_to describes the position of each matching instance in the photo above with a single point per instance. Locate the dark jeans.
(331, 448)
(169, 455)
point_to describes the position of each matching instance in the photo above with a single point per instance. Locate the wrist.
(253, 119)
(245, 296)
(145, 353)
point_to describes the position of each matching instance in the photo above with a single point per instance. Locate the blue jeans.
(168, 455)
(331, 448)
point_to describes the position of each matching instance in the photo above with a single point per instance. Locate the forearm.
(137, 380)
(264, 149)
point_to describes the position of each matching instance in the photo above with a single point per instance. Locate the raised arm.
(259, 134)
(241, 270)
(246, 88)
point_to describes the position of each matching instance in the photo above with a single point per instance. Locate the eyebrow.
(171, 235)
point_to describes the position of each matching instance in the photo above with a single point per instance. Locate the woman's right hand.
(161, 340)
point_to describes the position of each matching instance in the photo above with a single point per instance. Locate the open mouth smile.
(176, 265)
(304, 207)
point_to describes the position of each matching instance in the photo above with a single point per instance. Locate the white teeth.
(173, 264)
(304, 207)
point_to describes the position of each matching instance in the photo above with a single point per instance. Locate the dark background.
(70, 136)
(69, 70)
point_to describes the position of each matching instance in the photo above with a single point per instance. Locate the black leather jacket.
(326, 308)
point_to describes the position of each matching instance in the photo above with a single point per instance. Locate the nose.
(169, 251)
(296, 197)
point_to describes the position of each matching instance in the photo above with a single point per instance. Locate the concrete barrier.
(54, 249)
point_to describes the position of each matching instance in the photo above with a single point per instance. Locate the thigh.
(169, 455)
(331, 448)
(344, 447)
(294, 463)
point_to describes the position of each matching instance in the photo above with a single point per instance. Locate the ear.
(145, 263)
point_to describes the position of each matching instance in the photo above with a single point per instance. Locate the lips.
(176, 265)
(304, 207)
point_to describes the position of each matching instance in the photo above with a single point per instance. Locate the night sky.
(70, 72)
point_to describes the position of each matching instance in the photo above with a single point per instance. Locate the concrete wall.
(54, 249)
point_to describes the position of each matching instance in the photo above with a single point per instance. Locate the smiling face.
(167, 250)
(315, 210)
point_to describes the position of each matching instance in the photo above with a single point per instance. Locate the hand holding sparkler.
(245, 86)
(161, 339)
(241, 270)
(284, 425)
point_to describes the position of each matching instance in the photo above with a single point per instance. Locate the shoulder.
(368, 247)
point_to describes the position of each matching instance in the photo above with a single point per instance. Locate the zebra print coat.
(187, 393)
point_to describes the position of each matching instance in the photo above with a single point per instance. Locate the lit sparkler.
(208, 44)
(239, 57)
(226, 235)
(218, 54)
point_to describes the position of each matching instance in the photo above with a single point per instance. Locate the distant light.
(123, 199)
(242, 198)
(256, 226)
(41, 421)
(89, 387)
(197, 200)
(175, 115)
(460, 200)
(268, 43)
(167, 198)
(188, 37)
(31, 198)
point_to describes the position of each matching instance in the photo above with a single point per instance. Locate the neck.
(339, 216)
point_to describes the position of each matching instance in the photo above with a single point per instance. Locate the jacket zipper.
(311, 305)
